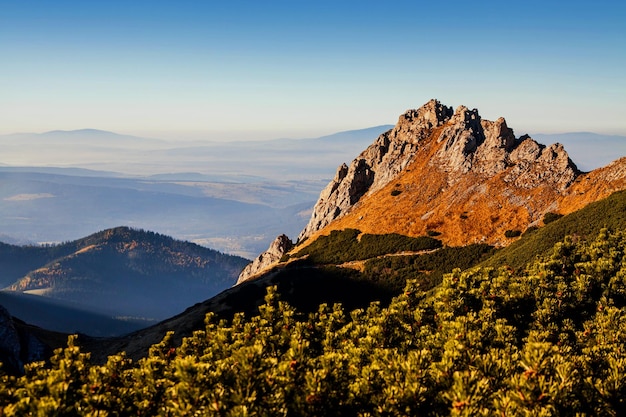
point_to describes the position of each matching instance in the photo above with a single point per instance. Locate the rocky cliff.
(452, 143)
(377, 165)
(456, 175)
(281, 245)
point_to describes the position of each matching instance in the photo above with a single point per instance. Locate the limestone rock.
(490, 148)
(281, 245)
(377, 165)
(535, 165)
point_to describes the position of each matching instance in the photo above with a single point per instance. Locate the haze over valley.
(233, 197)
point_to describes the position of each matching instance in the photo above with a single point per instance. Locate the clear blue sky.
(256, 69)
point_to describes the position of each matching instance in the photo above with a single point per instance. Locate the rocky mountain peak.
(448, 171)
(455, 142)
(413, 123)
(390, 153)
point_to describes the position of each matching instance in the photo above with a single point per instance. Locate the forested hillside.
(487, 341)
(122, 271)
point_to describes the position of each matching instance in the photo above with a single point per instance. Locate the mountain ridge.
(451, 173)
(122, 271)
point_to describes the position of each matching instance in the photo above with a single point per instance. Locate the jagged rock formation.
(450, 172)
(17, 347)
(281, 245)
(455, 143)
(377, 165)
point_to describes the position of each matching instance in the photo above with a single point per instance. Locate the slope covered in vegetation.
(549, 340)
(585, 223)
(350, 244)
(337, 276)
(122, 271)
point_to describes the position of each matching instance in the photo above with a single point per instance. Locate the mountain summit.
(450, 173)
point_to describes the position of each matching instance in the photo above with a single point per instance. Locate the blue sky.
(250, 69)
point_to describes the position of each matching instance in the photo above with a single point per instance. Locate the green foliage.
(585, 224)
(428, 268)
(512, 233)
(546, 341)
(350, 245)
(550, 217)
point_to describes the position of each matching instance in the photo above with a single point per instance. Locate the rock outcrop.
(377, 165)
(456, 143)
(281, 245)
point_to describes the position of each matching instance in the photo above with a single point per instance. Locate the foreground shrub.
(548, 341)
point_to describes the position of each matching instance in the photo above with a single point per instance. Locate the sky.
(232, 70)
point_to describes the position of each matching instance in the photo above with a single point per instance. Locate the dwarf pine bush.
(550, 340)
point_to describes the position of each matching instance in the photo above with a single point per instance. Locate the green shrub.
(529, 230)
(546, 341)
(427, 268)
(550, 217)
(512, 233)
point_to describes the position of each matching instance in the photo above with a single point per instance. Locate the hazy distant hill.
(234, 197)
(122, 271)
(237, 161)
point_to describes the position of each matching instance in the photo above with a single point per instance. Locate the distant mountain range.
(52, 206)
(267, 160)
(234, 197)
(299, 159)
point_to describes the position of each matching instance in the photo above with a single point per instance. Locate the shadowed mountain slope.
(123, 272)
